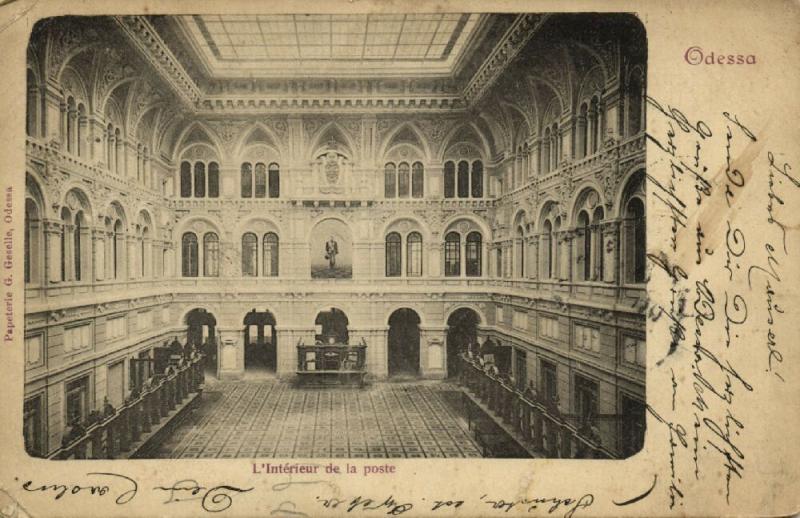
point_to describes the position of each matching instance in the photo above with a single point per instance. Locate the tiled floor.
(268, 418)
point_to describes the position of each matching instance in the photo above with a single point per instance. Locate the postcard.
(473, 259)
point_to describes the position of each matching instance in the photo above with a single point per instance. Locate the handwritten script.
(708, 315)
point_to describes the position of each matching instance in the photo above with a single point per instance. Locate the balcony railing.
(538, 426)
(117, 433)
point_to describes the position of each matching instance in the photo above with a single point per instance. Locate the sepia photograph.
(363, 258)
(335, 236)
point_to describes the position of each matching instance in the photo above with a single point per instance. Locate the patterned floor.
(271, 419)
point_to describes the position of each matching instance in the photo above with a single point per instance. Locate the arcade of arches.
(463, 212)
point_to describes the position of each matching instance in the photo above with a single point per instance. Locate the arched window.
(148, 176)
(477, 179)
(199, 180)
(249, 255)
(118, 165)
(76, 243)
(71, 116)
(189, 255)
(449, 180)
(389, 180)
(274, 180)
(595, 136)
(403, 180)
(33, 228)
(555, 146)
(583, 131)
(393, 255)
(417, 180)
(545, 165)
(452, 254)
(80, 130)
(635, 249)
(463, 179)
(414, 254)
(186, 180)
(635, 96)
(118, 243)
(213, 180)
(247, 180)
(547, 249)
(597, 241)
(210, 255)
(66, 223)
(139, 171)
(521, 252)
(585, 235)
(32, 104)
(556, 249)
(261, 181)
(143, 255)
(110, 147)
(473, 254)
(270, 255)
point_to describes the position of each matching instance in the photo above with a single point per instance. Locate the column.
(611, 241)
(99, 248)
(52, 115)
(288, 338)
(97, 141)
(129, 157)
(567, 255)
(83, 138)
(377, 359)
(130, 248)
(580, 138)
(434, 255)
(52, 235)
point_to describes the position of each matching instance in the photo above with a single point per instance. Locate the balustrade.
(531, 420)
(115, 434)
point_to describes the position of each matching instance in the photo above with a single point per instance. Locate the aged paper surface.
(721, 306)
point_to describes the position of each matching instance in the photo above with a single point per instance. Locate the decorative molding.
(153, 49)
(512, 42)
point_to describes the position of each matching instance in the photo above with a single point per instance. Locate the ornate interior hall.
(330, 235)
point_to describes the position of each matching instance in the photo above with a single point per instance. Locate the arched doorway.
(260, 341)
(201, 333)
(403, 342)
(462, 332)
(331, 327)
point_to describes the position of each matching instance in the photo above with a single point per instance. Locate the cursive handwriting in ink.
(59, 489)
(391, 506)
(570, 505)
(639, 497)
(212, 499)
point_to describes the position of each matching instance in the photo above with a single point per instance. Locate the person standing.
(331, 251)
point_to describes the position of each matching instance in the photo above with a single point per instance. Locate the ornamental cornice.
(512, 42)
(322, 104)
(153, 49)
